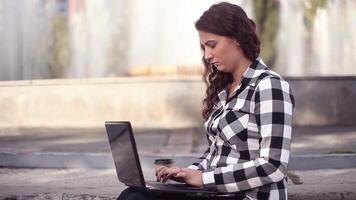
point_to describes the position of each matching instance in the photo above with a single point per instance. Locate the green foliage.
(294, 178)
(310, 8)
(58, 63)
(267, 21)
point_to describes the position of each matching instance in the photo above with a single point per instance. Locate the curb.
(105, 161)
(66, 196)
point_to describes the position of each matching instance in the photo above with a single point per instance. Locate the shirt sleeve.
(273, 111)
(203, 162)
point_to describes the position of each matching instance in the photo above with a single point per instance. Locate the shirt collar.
(249, 77)
(253, 72)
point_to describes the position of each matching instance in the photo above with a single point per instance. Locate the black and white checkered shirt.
(249, 137)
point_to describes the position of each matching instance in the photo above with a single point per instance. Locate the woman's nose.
(208, 55)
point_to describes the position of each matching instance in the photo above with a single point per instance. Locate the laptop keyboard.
(158, 185)
(187, 189)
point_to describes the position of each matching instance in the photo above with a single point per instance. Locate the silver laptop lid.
(124, 152)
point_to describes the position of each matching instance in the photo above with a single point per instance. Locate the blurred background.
(140, 60)
(45, 39)
(67, 66)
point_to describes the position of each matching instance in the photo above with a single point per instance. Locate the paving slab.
(103, 184)
(89, 173)
(312, 147)
(323, 140)
(305, 140)
(105, 161)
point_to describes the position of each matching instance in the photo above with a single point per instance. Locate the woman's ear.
(237, 43)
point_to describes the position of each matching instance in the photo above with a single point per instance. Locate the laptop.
(128, 166)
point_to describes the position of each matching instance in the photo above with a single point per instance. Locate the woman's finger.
(176, 174)
(180, 175)
(171, 173)
(164, 175)
(164, 172)
(160, 168)
(160, 171)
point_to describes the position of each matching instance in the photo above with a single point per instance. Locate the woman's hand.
(189, 176)
(164, 173)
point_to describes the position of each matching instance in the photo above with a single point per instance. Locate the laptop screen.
(124, 152)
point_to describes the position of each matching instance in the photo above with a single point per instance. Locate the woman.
(248, 112)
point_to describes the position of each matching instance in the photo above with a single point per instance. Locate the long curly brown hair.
(229, 20)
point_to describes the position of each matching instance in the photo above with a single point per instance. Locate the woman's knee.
(133, 194)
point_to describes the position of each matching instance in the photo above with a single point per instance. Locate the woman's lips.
(215, 64)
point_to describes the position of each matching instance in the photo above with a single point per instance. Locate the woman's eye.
(211, 44)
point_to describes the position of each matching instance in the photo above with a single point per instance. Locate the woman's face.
(221, 51)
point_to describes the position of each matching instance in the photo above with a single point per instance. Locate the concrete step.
(331, 184)
(105, 160)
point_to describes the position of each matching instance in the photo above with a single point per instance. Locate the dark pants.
(135, 194)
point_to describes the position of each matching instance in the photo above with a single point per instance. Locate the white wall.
(147, 102)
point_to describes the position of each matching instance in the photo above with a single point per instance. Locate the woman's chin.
(222, 69)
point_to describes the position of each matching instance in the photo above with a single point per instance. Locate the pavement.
(68, 163)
